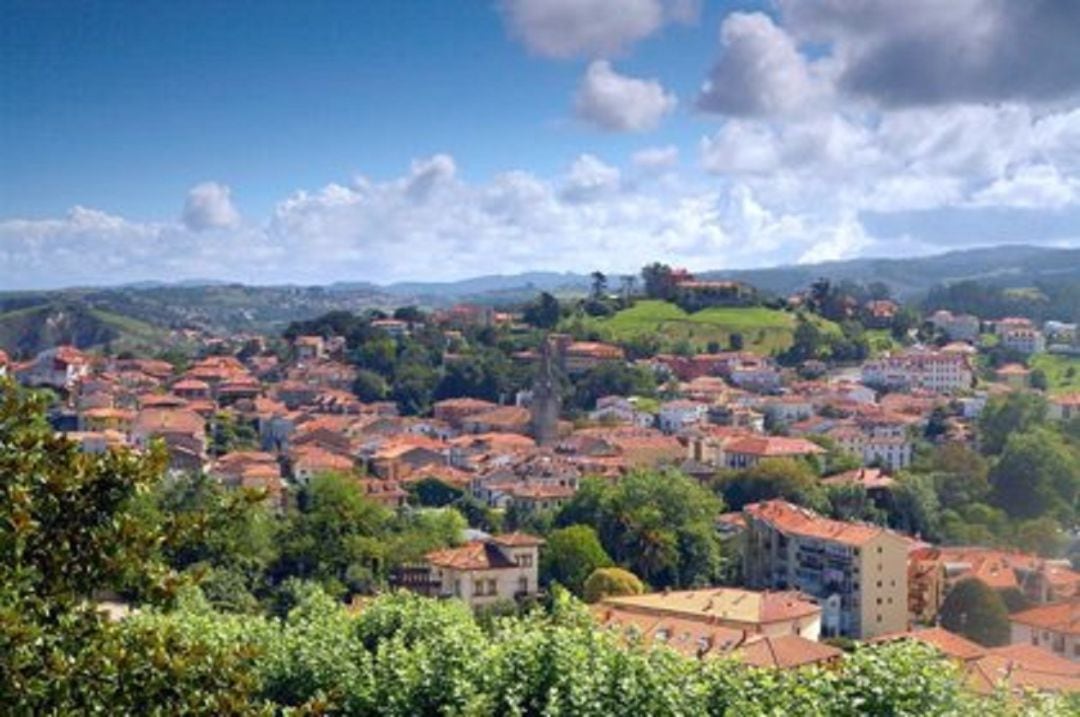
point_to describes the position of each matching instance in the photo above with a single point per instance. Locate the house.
(309, 348)
(395, 328)
(1014, 375)
(879, 313)
(1064, 407)
(873, 480)
(1054, 627)
(503, 419)
(737, 449)
(1024, 340)
(788, 409)
(486, 571)
(680, 414)
(182, 430)
(760, 375)
(874, 446)
(773, 613)
(858, 572)
(60, 368)
(455, 410)
(575, 357)
(957, 327)
(311, 460)
(619, 409)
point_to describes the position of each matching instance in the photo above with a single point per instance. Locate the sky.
(320, 141)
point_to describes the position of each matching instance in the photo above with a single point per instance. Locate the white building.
(958, 327)
(489, 570)
(680, 414)
(58, 368)
(937, 371)
(1054, 628)
(1025, 341)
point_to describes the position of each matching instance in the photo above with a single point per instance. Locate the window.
(491, 587)
(879, 601)
(523, 584)
(879, 618)
(457, 588)
(524, 560)
(478, 588)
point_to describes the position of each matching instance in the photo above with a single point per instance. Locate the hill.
(763, 330)
(1006, 266)
(28, 330)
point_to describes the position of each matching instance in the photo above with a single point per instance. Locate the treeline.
(1044, 301)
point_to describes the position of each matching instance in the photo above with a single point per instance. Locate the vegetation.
(1062, 373)
(611, 582)
(974, 610)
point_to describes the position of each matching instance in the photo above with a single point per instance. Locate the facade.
(738, 450)
(1054, 628)
(858, 572)
(937, 371)
(486, 571)
(680, 414)
(958, 327)
(1024, 340)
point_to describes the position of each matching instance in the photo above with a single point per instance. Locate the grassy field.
(1062, 372)
(763, 330)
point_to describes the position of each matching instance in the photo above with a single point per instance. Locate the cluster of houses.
(272, 424)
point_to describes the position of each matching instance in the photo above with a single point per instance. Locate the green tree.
(789, 478)
(335, 536)
(914, 507)
(612, 378)
(658, 281)
(1038, 474)
(370, 386)
(611, 582)
(977, 612)
(1005, 415)
(544, 312)
(434, 493)
(571, 555)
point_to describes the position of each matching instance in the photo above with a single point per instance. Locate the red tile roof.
(476, 555)
(790, 518)
(1061, 617)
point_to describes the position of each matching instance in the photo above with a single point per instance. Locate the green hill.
(763, 330)
(28, 330)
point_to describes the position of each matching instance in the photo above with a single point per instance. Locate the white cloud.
(619, 103)
(209, 206)
(656, 159)
(590, 28)
(760, 70)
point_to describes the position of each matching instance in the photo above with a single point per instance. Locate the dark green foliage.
(659, 525)
(370, 386)
(789, 478)
(570, 557)
(543, 313)
(612, 378)
(434, 493)
(1006, 415)
(977, 612)
(1038, 474)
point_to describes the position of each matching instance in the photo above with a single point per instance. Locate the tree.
(412, 314)
(1005, 415)
(434, 493)
(977, 612)
(611, 582)
(788, 478)
(334, 536)
(660, 525)
(571, 555)
(1039, 381)
(370, 386)
(598, 290)
(735, 341)
(612, 378)
(543, 313)
(1038, 474)
(914, 507)
(658, 281)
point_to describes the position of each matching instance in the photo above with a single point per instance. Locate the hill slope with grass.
(28, 330)
(763, 330)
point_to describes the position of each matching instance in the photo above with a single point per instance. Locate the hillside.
(763, 330)
(1008, 266)
(28, 330)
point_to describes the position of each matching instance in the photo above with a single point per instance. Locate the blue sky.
(317, 141)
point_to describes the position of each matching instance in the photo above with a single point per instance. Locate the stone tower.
(544, 409)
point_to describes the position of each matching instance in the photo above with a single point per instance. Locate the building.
(309, 348)
(1024, 340)
(680, 414)
(773, 613)
(736, 449)
(1054, 628)
(875, 446)
(1064, 408)
(937, 371)
(957, 327)
(60, 368)
(858, 572)
(486, 571)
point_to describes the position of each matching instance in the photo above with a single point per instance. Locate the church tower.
(544, 409)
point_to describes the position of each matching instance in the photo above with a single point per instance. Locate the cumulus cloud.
(619, 103)
(590, 28)
(760, 70)
(656, 159)
(209, 206)
(928, 52)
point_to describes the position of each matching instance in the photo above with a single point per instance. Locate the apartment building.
(858, 572)
(937, 371)
(482, 572)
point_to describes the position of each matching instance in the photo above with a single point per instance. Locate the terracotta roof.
(949, 643)
(476, 555)
(517, 540)
(785, 652)
(167, 420)
(790, 518)
(721, 604)
(770, 446)
(866, 477)
(1061, 617)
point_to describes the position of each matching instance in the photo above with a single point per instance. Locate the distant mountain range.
(95, 316)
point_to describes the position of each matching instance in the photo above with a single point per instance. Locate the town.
(870, 472)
